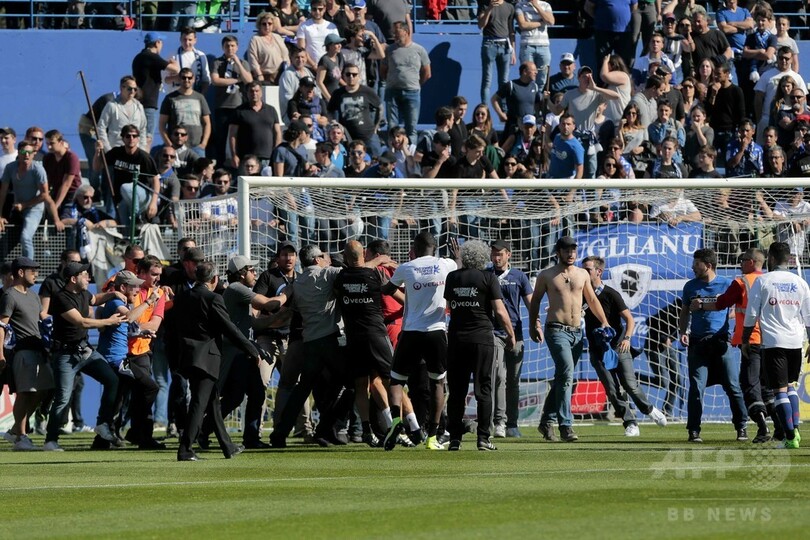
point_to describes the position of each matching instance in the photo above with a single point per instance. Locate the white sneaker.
(500, 432)
(103, 431)
(658, 417)
(52, 446)
(10, 437)
(632, 431)
(24, 444)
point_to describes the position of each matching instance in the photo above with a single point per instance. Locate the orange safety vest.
(140, 345)
(746, 280)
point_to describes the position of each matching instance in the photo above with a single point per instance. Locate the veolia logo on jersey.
(429, 285)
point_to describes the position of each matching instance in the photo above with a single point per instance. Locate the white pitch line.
(708, 466)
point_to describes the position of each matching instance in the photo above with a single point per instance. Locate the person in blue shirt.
(567, 153)
(707, 340)
(508, 362)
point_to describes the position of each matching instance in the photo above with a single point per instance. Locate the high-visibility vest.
(746, 280)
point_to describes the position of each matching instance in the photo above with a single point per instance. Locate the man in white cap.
(566, 79)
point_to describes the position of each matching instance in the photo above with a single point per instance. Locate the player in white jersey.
(780, 301)
(424, 330)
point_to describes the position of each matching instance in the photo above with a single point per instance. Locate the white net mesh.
(647, 237)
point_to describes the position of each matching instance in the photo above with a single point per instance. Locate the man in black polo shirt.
(71, 353)
(474, 298)
(254, 128)
(616, 311)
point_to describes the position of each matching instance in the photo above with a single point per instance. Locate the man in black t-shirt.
(71, 352)
(282, 334)
(473, 164)
(474, 297)
(358, 290)
(616, 311)
(127, 162)
(358, 108)
(146, 68)
(254, 128)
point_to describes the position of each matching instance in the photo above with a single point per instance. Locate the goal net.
(645, 230)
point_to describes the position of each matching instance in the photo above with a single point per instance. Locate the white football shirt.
(423, 279)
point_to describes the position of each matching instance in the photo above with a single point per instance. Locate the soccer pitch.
(603, 486)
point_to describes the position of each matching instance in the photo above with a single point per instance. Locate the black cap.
(286, 244)
(298, 125)
(306, 81)
(584, 69)
(387, 157)
(565, 242)
(442, 137)
(22, 262)
(74, 269)
(194, 254)
(501, 244)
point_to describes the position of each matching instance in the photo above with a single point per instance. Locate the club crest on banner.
(632, 281)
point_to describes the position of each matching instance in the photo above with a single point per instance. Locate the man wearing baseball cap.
(32, 376)
(566, 286)
(566, 79)
(283, 340)
(71, 353)
(146, 68)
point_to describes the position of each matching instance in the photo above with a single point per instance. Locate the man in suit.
(202, 322)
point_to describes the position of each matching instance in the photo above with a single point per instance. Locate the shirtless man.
(566, 285)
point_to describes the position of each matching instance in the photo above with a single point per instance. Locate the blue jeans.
(160, 372)
(565, 347)
(151, 121)
(402, 109)
(498, 53)
(65, 366)
(31, 218)
(189, 9)
(702, 354)
(470, 220)
(541, 56)
(125, 215)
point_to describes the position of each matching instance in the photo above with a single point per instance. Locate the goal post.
(645, 229)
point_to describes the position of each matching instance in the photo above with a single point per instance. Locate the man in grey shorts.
(20, 309)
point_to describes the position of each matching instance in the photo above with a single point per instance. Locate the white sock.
(386, 414)
(413, 425)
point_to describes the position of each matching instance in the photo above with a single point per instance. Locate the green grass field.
(604, 486)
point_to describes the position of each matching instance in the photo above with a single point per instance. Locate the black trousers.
(143, 390)
(319, 355)
(465, 360)
(240, 377)
(751, 376)
(204, 400)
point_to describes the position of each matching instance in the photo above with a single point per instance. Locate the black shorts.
(782, 366)
(369, 353)
(413, 347)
